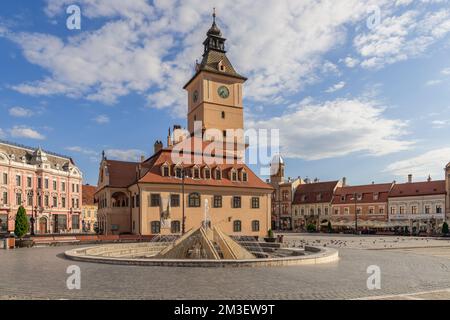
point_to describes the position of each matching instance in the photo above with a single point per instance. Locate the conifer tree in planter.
(445, 228)
(270, 236)
(22, 227)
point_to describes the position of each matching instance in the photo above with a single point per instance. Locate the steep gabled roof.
(345, 195)
(418, 189)
(308, 193)
(121, 173)
(88, 195)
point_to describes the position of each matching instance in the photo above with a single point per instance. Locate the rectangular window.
(427, 209)
(255, 203)
(29, 182)
(438, 209)
(55, 202)
(18, 181)
(46, 201)
(381, 210)
(46, 183)
(218, 174)
(138, 201)
(63, 186)
(174, 200)
(237, 226)
(155, 200)
(234, 176)
(217, 201)
(5, 197)
(166, 171)
(255, 226)
(54, 185)
(39, 198)
(73, 187)
(73, 203)
(346, 210)
(78, 188)
(414, 210)
(63, 202)
(236, 202)
(39, 183)
(175, 227)
(244, 176)
(371, 210)
(30, 200)
(5, 178)
(18, 199)
(75, 222)
(402, 210)
(207, 174)
(155, 227)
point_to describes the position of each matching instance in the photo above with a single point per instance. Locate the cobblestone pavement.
(40, 273)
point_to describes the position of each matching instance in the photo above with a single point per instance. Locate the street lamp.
(356, 213)
(183, 223)
(32, 220)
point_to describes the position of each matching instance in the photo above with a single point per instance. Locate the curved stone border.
(319, 255)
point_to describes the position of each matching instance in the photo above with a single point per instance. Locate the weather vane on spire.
(214, 15)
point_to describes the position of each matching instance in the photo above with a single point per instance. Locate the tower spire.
(214, 15)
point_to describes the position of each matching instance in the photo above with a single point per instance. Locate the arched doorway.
(43, 225)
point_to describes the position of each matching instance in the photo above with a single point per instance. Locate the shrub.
(330, 228)
(270, 233)
(445, 228)
(311, 227)
(22, 226)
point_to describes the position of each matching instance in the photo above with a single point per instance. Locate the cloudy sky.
(357, 88)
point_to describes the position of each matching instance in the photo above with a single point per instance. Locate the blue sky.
(357, 88)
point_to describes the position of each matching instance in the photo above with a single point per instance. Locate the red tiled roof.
(418, 189)
(88, 195)
(121, 173)
(152, 173)
(309, 192)
(366, 192)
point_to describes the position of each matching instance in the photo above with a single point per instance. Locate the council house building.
(164, 195)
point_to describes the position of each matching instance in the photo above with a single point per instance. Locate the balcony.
(416, 216)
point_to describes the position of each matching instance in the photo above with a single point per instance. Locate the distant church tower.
(277, 170)
(215, 91)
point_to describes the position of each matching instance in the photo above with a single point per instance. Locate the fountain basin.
(144, 254)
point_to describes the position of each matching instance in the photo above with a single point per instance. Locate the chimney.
(158, 146)
(410, 177)
(344, 181)
(429, 178)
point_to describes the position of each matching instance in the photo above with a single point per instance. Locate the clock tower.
(215, 91)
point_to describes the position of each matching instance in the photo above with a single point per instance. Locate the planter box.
(24, 243)
(270, 239)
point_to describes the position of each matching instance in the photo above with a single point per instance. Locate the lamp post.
(32, 220)
(356, 213)
(183, 223)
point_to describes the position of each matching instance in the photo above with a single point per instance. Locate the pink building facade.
(46, 184)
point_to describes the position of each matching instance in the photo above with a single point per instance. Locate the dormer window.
(359, 197)
(196, 173)
(244, 176)
(179, 172)
(233, 175)
(207, 173)
(165, 170)
(375, 196)
(218, 174)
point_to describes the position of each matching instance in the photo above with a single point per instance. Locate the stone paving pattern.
(40, 273)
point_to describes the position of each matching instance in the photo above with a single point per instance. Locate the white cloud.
(2, 134)
(20, 112)
(101, 119)
(336, 87)
(25, 132)
(337, 128)
(82, 150)
(351, 62)
(429, 163)
(439, 124)
(133, 155)
(431, 83)
(400, 37)
(446, 72)
(150, 48)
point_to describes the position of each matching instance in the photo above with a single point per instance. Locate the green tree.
(311, 227)
(270, 233)
(22, 226)
(445, 228)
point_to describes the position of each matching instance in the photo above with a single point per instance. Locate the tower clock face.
(195, 96)
(223, 92)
